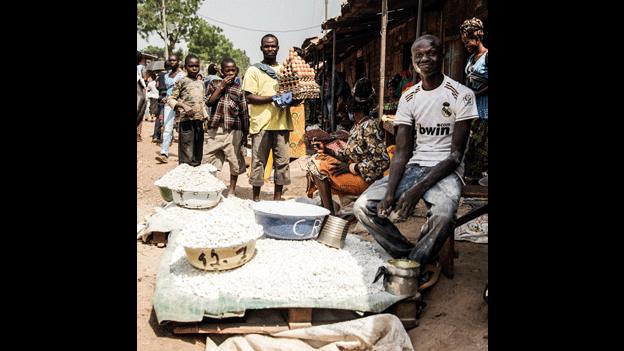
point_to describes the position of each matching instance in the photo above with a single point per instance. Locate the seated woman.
(363, 160)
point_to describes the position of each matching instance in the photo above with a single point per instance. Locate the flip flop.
(435, 270)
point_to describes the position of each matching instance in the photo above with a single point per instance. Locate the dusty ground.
(455, 317)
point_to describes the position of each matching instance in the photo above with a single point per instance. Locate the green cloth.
(173, 305)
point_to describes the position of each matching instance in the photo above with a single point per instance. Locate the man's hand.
(340, 168)
(187, 109)
(385, 206)
(319, 147)
(408, 200)
(226, 81)
(283, 100)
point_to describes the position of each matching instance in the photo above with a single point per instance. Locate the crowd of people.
(437, 120)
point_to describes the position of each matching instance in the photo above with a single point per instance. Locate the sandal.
(432, 271)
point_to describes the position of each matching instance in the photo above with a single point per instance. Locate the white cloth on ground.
(381, 332)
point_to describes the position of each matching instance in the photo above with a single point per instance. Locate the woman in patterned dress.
(363, 160)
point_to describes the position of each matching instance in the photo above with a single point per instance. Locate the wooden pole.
(164, 20)
(382, 66)
(333, 83)
(323, 79)
(419, 18)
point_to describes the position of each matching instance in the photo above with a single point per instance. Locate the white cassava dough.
(189, 178)
(231, 223)
(288, 270)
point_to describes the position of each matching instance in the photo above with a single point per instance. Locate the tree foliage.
(207, 42)
(180, 15)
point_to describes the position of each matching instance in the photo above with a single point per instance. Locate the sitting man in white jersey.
(428, 164)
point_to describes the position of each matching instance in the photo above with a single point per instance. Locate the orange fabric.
(391, 149)
(344, 184)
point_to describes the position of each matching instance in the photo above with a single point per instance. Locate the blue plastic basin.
(289, 220)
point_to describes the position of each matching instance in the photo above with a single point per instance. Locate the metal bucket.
(334, 232)
(400, 276)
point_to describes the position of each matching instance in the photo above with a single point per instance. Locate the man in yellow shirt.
(270, 123)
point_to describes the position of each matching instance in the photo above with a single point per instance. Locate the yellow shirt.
(266, 116)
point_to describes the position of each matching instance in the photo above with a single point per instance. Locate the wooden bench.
(448, 253)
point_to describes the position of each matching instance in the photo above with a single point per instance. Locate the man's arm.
(217, 89)
(172, 101)
(404, 150)
(258, 100)
(410, 198)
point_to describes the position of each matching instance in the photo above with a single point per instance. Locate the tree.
(180, 15)
(207, 42)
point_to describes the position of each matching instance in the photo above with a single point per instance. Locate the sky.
(265, 16)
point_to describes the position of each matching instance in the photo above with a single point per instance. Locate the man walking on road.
(174, 75)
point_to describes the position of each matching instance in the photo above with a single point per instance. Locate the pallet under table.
(274, 320)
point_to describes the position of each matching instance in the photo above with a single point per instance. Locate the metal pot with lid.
(400, 276)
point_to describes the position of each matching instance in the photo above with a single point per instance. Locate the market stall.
(228, 257)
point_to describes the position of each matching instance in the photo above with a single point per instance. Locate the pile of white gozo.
(288, 270)
(229, 224)
(189, 178)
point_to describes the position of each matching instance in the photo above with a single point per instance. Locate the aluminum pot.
(400, 276)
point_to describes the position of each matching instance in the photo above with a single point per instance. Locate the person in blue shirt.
(477, 79)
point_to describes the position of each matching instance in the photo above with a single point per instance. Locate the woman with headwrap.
(364, 159)
(477, 79)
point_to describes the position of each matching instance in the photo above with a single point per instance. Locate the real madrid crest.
(446, 109)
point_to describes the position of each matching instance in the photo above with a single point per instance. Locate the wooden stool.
(448, 253)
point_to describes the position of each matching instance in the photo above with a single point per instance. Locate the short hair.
(212, 69)
(176, 56)
(189, 57)
(227, 60)
(269, 36)
(435, 41)
(139, 57)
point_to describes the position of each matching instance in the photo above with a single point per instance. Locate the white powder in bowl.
(189, 178)
(231, 223)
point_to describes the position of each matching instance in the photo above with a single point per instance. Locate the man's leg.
(442, 200)
(382, 229)
(281, 160)
(168, 132)
(141, 103)
(198, 142)
(156, 137)
(324, 188)
(214, 148)
(185, 143)
(234, 156)
(260, 147)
